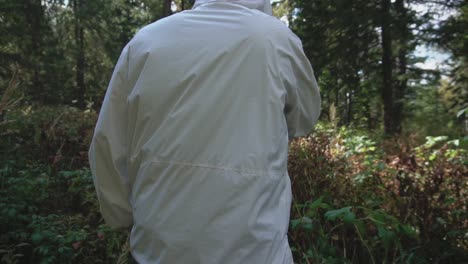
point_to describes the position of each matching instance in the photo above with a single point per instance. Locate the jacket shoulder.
(272, 29)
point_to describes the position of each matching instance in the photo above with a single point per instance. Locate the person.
(190, 148)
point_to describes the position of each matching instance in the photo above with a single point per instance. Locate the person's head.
(262, 5)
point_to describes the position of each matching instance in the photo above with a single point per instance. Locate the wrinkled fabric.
(190, 148)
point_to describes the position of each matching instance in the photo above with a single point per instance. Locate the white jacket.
(191, 144)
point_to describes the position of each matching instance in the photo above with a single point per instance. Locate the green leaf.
(349, 218)
(334, 214)
(462, 112)
(361, 227)
(455, 142)
(36, 237)
(303, 222)
(317, 204)
(387, 236)
(408, 230)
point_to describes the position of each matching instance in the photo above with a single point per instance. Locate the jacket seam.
(206, 166)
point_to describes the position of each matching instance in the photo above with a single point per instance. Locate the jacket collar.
(262, 5)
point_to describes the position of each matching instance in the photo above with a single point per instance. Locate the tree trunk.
(401, 85)
(80, 69)
(387, 91)
(167, 8)
(33, 13)
(349, 106)
(337, 105)
(80, 56)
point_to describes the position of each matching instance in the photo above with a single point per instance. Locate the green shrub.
(49, 217)
(58, 136)
(354, 203)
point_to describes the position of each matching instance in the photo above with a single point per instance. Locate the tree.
(452, 35)
(340, 39)
(387, 69)
(360, 50)
(80, 51)
(167, 11)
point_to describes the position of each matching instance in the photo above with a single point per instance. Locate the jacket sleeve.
(302, 108)
(108, 151)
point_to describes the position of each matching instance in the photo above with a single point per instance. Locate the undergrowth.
(357, 198)
(354, 202)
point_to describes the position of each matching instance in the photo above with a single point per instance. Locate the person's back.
(204, 103)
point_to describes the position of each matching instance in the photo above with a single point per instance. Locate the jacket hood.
(262, 5)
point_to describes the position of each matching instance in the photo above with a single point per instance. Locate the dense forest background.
(382, 180)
